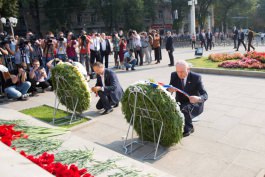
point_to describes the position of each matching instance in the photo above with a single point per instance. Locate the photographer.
(37, 51)
(22, 53)
(145, 47)
(48, 46)
(16, 86)
(137, 47)
(95, 49)
(129, 60)
(61, 47)
(38, 76)
(84, 42)
(71, 46)
(116, 48)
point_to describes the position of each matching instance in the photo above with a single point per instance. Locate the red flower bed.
(243, 63)
(260, 56)
(45, 161)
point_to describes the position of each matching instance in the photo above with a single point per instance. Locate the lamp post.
(192, 3)
(10, 22)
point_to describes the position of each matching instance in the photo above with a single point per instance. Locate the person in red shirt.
(84, 42)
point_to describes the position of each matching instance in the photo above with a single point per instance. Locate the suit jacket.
(235, 34)
(201, 37)
(108, 50)
(193, 87)
(112, 85)
(242, 36)
(209, 36)
(250, 35)
(169, 43)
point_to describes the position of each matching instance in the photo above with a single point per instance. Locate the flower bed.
(46, 161)
(39, 145)
(224, 56)
(243, 63)
(260, 56)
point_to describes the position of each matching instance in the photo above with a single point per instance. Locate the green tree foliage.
(8, 8)
(59, 12)
(202, 11)
(129, 14)
(183, 9)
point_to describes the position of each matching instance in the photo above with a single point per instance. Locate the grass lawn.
(45, 113)
(203, 62)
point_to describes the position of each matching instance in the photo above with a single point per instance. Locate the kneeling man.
(191, 83)
(107, 87)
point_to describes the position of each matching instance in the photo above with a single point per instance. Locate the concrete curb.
(229, 72)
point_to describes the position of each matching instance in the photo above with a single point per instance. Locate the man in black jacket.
(250, 38)
(170, 48)
(191, 83)
(105, 50)
(202, 37)
(209, 38)
(241, 37)
(108, 88)
(235, 36)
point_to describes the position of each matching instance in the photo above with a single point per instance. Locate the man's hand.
(194, 99)
(96, 89)
(171, 89)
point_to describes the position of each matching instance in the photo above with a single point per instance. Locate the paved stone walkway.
(228, 140)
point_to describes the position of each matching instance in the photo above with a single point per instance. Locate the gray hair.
(183, 63)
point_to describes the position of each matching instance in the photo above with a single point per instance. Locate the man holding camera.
(129, 60)
(38, 76)
(95, 49)
(84, 42)
(61, 47)
(16, 86)
(48, 46)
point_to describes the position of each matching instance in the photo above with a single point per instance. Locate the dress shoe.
(115, 105)
(107, 111)
(185, 134)
(170, 65)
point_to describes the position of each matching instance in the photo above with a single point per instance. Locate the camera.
(4, 39)
(61, 39)
(49, 40)
(22, 43)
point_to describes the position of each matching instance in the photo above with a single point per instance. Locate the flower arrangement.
(79, 87)
(224, 56)
(166, 106)
(260, 56)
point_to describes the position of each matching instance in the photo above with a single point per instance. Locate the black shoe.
(115, 105)
(127, 69)
(107, 111)
(185, 134)
(133, 69)
(170, 65)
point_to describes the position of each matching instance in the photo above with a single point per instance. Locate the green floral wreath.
(166, 105)
(78, 87)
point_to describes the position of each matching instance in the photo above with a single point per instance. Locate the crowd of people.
(29, 59)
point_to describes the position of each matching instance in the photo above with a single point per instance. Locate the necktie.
(182, 84)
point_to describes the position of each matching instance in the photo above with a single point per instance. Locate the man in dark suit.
(235, 36)
(105, 50)
(190, 83)
(250, 38)
(170, 48)
(241, 38)
(107, 88)
(202, 38)
(209, 38)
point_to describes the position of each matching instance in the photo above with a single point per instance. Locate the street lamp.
(192, 3)
(10, 22)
